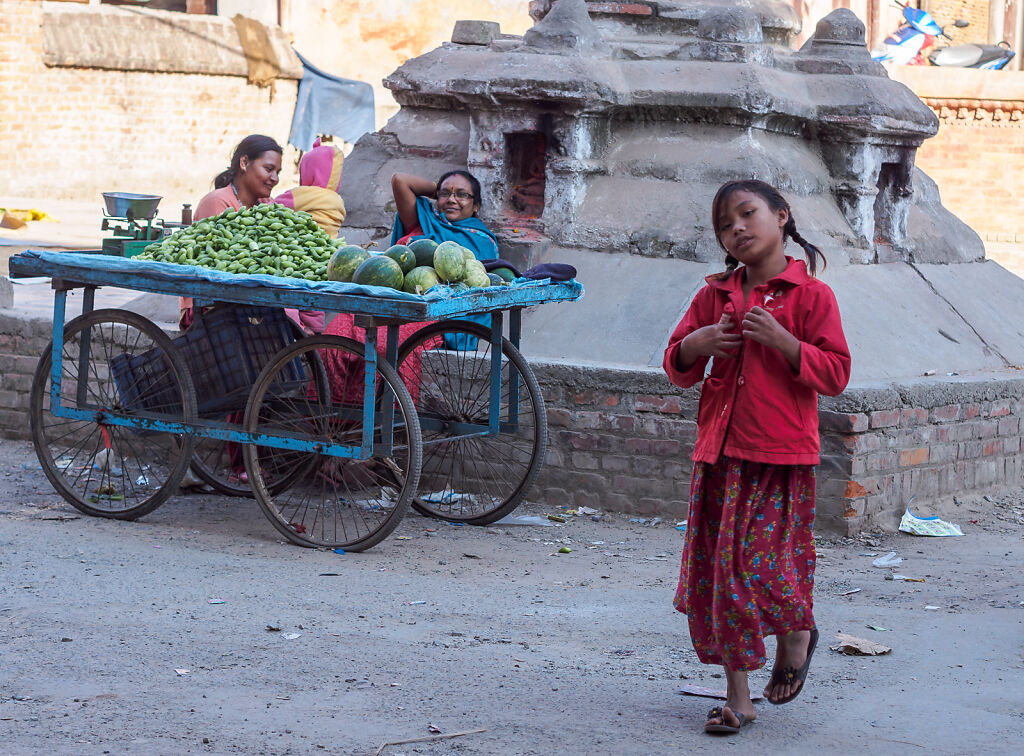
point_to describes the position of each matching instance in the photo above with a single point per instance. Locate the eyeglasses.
(460, 194)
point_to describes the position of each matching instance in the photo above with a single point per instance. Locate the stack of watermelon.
(415, 268)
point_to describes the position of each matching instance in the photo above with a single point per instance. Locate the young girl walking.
(773, 334)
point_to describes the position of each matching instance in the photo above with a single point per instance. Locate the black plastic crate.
(225, 349)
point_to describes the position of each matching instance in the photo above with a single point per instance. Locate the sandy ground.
(576, 653)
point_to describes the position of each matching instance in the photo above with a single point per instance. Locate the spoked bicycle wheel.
(477, 479)
(337, 502)
(114, 364)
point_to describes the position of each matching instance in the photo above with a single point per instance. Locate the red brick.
(654, 446)
(667, 404)
(884, 418)
(945, 414)
(854, 490)
(1000, 408)
(843, 422)
(620, 9)
(971, 411)
(914, 416)
(559, 417)
(911, 457)
(619, 422)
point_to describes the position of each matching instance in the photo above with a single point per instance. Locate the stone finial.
(566, 29)
(842, 27)
(730, 24)
(539, 9)
(475, 32)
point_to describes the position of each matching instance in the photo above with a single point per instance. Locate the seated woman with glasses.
(453, 218)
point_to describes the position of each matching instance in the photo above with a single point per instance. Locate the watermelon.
(379, 270)
(505, 273)
(474, 269)
(424, 251)
(344, 262)
(402, 255)
(497, 280)
(419, 279)
(449, 261)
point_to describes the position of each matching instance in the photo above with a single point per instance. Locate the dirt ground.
(110, 643)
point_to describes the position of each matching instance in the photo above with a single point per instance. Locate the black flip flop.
(788, 676)
(723, 728)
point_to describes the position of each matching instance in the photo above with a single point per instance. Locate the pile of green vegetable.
(415, 268)
(269, 239)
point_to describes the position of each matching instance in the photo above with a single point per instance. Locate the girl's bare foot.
(737, 700)
(790, 651)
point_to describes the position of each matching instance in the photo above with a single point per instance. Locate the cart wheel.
(337, 502)
(473, 480)
(119, 364)
(219, 464)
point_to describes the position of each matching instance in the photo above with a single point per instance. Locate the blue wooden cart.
(334, 438)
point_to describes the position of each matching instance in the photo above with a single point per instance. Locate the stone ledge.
(136, 39)
(933, 391)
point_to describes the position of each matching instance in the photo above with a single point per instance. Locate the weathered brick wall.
(980, 143)
(618, 440)
(71, 133)
(621, 440)
(22, 340)
(883, 448)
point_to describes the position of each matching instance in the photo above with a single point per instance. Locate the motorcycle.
(920, 31)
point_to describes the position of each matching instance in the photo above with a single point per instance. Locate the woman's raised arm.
(406, 188)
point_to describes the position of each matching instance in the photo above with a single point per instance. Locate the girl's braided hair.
(775, 202)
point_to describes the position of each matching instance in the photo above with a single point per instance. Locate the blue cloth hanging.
(330, 105)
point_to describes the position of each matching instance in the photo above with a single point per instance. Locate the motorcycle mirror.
(960, 23)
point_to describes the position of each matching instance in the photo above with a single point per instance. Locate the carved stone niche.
(534, 165)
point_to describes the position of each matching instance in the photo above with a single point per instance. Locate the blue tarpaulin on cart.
(172, 272)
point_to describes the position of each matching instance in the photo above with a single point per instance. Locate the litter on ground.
(927, 526)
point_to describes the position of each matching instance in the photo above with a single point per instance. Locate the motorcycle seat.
(957, 56)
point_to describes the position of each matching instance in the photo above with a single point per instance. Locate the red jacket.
(753, 405)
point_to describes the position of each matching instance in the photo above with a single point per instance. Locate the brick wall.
(618, 440)
(882, 449)
(71, 133)
(979, 147)
(621, 440)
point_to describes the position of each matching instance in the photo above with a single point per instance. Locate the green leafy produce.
(449, 261)
(344, 262)
(268, 239)
(402, 255)
(420, 279)
(424, 251)
(379, 270)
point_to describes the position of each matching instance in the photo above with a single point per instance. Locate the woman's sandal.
(722, 727)
(788, 676)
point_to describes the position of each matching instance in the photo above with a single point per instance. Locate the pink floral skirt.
(748, 562)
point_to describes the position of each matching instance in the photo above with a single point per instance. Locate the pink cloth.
(321, 166)
(345, 372)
